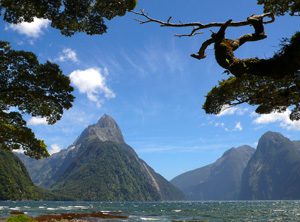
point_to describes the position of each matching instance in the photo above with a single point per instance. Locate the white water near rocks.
(261, 211)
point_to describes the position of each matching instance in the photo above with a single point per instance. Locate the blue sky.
(145, 79)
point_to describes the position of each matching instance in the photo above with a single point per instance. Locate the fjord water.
(168, 211)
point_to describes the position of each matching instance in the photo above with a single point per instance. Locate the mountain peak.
(272, 141)
(272, 172)
(270, 134)
(106, 121)
(106, 129)
(241, 149)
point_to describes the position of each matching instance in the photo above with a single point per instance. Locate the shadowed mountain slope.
(219, 180)
(273, 172)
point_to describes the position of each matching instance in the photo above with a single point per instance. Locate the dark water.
(270, 211)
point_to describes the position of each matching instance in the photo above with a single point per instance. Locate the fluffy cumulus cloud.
(275, 117)
(55, 148)
(37, 121)
(31, 29)
(92, 82)
(232, 110)
(68, 54)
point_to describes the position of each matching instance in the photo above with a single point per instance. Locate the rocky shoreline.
(65, 217)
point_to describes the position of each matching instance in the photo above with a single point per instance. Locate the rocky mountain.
(101, 166)
(106, 129)
(45, 172)
(273, 172)
(219, 180)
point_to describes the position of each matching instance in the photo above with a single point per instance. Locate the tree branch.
(201, 52)
(196, 26)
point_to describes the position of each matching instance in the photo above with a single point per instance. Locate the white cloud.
(55, 148)
(221, 125)
(19, 151)
(37, 121)
(238, 127)
(255, 144)
(31, 29)
(282, 118)
(232, 110)
(92, 82)
(68, 55)
(157, 58)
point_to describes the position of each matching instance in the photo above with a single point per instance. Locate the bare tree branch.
(201, 53)
(196, 26)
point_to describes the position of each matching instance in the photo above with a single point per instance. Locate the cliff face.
(273, 172)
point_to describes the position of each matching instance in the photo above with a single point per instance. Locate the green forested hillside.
(109, 171)
(15, 183)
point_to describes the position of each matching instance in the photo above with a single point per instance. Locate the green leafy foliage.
(15, 183)
(281, 7)
(20, 218)
(15, 135)
(269, 84)
(69, 16)
(283, 64)
(28, 87)
(264, 92)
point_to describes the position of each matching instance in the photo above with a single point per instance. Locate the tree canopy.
(271, 84)
(69, 16)
(280, 7)
(28, 87)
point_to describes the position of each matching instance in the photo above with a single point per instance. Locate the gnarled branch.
(196, 26)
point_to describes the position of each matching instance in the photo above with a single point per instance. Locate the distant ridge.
(219, 180)
(270, 172)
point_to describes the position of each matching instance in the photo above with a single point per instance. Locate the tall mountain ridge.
(217, 181)
(45, 172)
(99, 165)
(273, 172)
